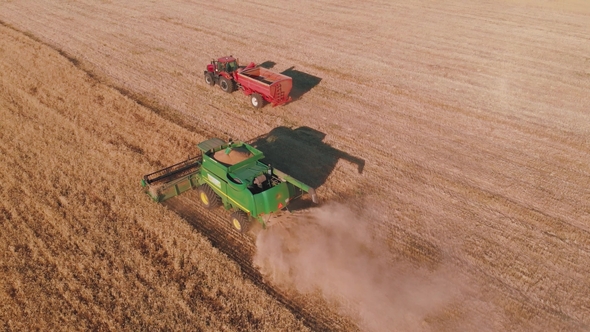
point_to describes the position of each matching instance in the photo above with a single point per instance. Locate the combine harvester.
(230, 174)
(261, 84)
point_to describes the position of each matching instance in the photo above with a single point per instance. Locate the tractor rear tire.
(240, 221)
(256, 100)
(208, 197)
(226, 85)
(209, 79)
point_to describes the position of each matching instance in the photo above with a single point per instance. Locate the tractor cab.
(227, 64)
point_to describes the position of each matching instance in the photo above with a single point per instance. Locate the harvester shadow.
(301, 153)
(302, 82)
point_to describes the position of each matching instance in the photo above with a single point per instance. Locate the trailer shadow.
(301, 153)
(302, 82)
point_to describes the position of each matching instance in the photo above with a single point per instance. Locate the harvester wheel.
(226, 85)
(240, 221)
(209, 79)
(208, 197)
(256, 100)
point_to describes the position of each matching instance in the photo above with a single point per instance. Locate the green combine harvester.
(229, 174)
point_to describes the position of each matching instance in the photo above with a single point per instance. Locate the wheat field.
(82, 247)
(448, 142)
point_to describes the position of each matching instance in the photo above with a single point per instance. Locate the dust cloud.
(331, 250)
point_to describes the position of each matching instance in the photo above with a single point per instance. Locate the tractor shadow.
(301, 153)
(268, 64)
(302, 82)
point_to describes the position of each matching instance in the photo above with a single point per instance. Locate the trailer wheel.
(208, 197)
(209, 79)
(240, 221)
(226, 85)
(256, 100)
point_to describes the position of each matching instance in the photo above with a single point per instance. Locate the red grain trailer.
(261, 84)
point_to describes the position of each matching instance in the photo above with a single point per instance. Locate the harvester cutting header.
(260, 84)
(229, 174)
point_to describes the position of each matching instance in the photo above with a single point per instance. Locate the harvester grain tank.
(232, 175)
(260, 84)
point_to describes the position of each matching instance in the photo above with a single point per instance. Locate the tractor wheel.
(209, 79)
(240, 221)
(256, 100)
(208, 197)
(226, 85)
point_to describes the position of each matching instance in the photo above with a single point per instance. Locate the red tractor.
(261, 84)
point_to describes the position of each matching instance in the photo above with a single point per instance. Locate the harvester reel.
(208, 197)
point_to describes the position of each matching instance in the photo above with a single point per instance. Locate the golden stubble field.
(82, 248)
(449, 142)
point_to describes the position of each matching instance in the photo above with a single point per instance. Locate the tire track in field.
(156, 106)
(240, 248)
